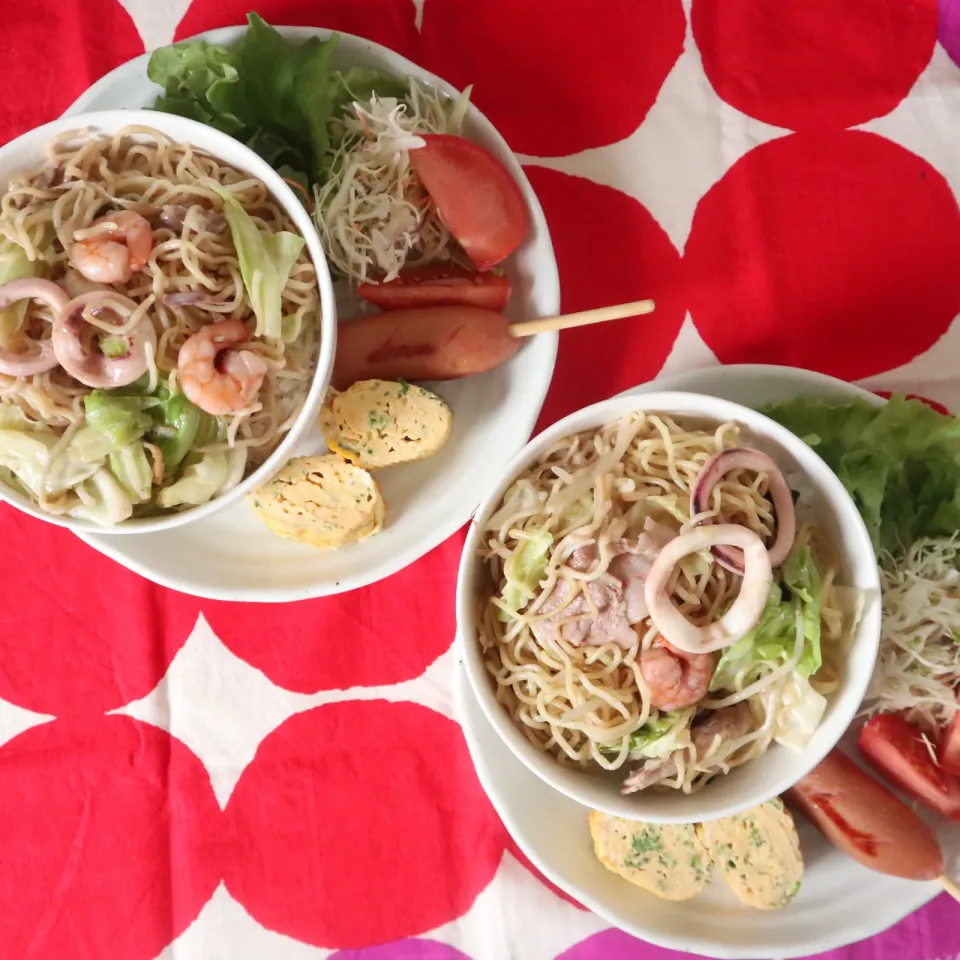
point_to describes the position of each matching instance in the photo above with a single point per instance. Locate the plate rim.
(685, 380)
(111, 545)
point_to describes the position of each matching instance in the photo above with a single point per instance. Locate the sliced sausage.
(432, 343)
(866, 821)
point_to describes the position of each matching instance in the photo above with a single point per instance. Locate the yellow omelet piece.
(379, 423)
(321, 501)
(758, 854)
(667, 859)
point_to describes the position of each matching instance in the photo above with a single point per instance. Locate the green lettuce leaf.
(313, 87)
(900, 462)
(123, 417)
(524, 570)
(767, 641)
(26, 455)
(266, 260)
(802, 578)
(773, 638)
(278, 97)
(90, 446)
(199, 81)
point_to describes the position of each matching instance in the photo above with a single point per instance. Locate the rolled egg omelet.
(667, 859)
(757, 853)
(379, 423)
(321, 501)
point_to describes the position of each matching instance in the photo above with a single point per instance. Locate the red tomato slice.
(475, 195)
(440, 286)
(894, 747)
(948, 749)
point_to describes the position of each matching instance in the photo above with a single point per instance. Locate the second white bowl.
(779, 768)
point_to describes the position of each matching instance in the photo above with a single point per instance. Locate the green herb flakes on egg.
(379, 423)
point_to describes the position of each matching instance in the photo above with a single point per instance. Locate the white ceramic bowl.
(28, 152)
(822, 497)
(232, 555)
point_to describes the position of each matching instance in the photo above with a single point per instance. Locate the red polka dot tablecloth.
(188, 779)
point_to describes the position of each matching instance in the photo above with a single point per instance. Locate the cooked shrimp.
(78, 347)
(676, 679)
(39, 356)
(114, 248)
(220, 384)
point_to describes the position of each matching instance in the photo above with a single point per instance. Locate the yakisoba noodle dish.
(659, 608)
(159, 327)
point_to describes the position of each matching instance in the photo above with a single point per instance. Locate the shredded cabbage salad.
(373, 214)
(918, 669)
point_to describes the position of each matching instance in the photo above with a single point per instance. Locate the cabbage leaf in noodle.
(266, 260)
(524, 569)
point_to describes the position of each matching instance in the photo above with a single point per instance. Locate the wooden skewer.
(529, 327)
(951, 886)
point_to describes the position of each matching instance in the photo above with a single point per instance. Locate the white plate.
(231, 555)
(840, 901)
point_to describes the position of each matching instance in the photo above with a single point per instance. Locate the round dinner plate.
(231, 555)
(840, 901)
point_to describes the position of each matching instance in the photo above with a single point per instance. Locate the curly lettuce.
(899, 461)
(276, 96)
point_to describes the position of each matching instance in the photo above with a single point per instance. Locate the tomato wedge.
(894, 747)
(475, 195)
(948, 749)
(439, 286)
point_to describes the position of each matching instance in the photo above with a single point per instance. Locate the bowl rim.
(220, 145)
(582, 786)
